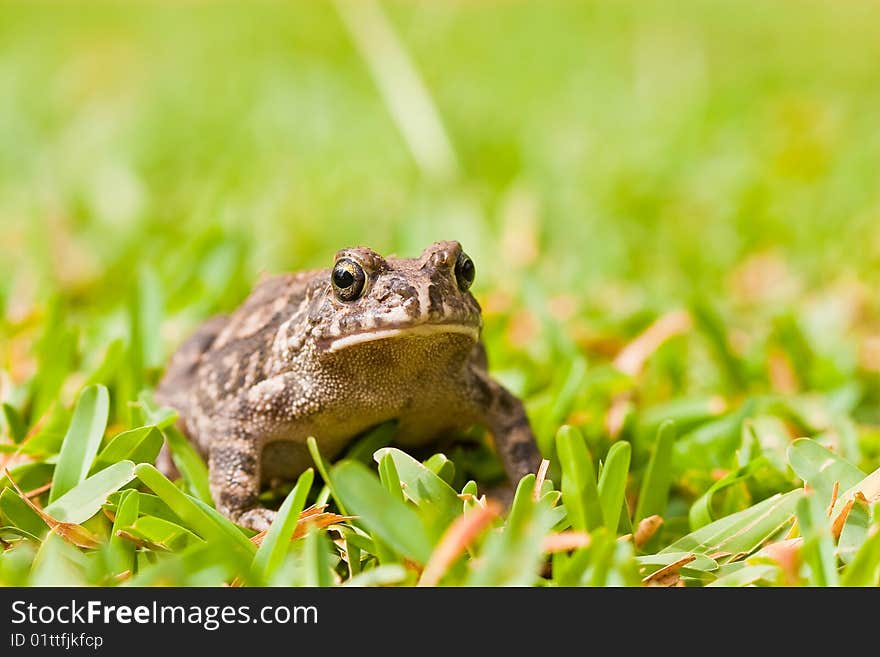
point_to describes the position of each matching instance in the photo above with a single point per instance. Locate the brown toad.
(330, 354)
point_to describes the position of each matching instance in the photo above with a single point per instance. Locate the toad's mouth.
(416, 330)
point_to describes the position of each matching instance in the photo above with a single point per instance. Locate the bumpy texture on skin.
(296, 361)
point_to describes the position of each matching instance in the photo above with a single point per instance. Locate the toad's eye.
(348, 279)
(464, 272)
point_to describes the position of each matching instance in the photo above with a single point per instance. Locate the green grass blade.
(856, 531)
(379, 576)
(423, 486)
(58, 563)
(161, 532)
(821, 468)
(190, 464)
(82, 440)
(190, 512)
(743, 531)
(28, 475)
(442, 467)
(389, 477)
(686, 412)
(652, 562)
(580, 493)
(232, 530)
(17, 513)
(864, 569)
(316, 550)
(523, 505)
(868, 486)
(139, 445)
(394, 522)
(148, 504)
(747, 576)
(713, 328)
(145, 315)
(122, 551)
(817, 551)
(712, 445)
(322, 470)
(612, 483)
(512, 557)
(700, 513)
(654, 492)
(85, 499)
(15, 426)
(276, 543)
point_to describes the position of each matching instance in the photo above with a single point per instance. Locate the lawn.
(674, 211)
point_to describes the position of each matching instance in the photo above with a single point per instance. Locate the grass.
(674, 217)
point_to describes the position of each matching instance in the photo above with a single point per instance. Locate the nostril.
(440, 259)
(441, 253)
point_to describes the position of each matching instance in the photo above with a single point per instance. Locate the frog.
(331, 353)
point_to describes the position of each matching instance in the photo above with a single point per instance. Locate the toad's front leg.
(505, 417)
(234, 473)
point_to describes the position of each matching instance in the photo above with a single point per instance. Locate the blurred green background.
(603, 162)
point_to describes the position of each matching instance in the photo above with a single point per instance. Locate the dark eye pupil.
(464, 271)
(342, 278)
(467, 270)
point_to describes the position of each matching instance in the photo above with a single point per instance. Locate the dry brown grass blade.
(565, 541)
(6, 459)
(142, 542)
(318, 520)
(70, 532)
(787, 553)
(663, 576)
(313, 510)
(867, 491)
(36, 492)
(632, 358)
(834, 491)
(615, 418)
(870, 487)
(668, 581)
(840, 520)
(783, 378)
(539, 479)
(313, 516)
(456, 538)
(646, 529)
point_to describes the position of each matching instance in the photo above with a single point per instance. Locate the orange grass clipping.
(668, 575)
(632, 358)
(834, 492)
(787, 553)
(314, 516)
(565, 541)
(69, 531)
(539, 479)
(646, 529)
(463, 530)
